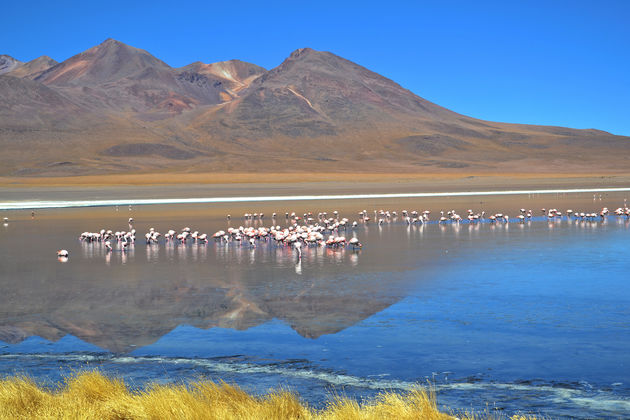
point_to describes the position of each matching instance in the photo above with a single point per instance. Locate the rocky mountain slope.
(8, 63)
(115, 108)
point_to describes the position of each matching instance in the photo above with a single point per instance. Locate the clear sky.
(547, 62)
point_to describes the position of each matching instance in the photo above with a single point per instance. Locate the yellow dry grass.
(91, 395)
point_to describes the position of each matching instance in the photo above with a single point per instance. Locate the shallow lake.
(531, 317)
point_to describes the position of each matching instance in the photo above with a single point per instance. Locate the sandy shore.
(150, 186)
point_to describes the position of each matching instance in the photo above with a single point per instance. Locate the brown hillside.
(123, 110)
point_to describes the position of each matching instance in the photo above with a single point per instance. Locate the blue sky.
(542, 62)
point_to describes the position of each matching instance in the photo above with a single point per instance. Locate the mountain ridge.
(125, 110)
(33, 68)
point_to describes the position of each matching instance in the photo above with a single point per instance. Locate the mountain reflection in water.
(123, 300)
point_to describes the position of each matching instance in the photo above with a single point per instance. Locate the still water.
(514, 317)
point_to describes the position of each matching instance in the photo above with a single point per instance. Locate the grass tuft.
(92, 395)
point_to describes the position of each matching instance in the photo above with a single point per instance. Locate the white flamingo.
(354, 243)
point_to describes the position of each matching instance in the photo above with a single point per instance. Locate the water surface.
(526, 318)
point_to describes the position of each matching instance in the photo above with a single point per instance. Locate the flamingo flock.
(303, 231)
(326, 232)
(126, 238)
(309, 235)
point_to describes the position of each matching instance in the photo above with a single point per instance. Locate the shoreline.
(56, 204)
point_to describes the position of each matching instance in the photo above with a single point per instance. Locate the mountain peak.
(109, 61)
(8, 63)
(111, 41)
(43, 59)
(301, 51)
(111, 44)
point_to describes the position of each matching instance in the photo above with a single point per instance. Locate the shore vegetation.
(92, 395)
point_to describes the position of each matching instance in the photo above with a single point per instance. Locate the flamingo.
(339, 241)
(354, 243)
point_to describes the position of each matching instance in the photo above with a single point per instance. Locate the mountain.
(114, 76)
(318, 106)
(122, 110)
(33, 68)
(110, 61)
(8, 63)
(317, 94)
